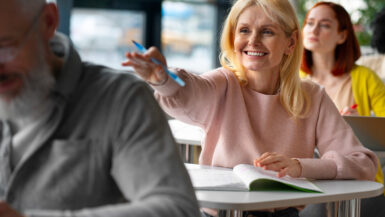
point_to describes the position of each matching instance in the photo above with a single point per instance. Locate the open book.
(244, 177)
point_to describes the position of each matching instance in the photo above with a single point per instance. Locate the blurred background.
(187, 31)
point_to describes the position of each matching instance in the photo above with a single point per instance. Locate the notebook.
(245, 177)
(369, 130)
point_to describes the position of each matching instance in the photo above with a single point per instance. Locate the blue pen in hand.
(171, 74)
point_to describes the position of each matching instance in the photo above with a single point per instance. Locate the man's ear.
(343, 35)
(50, 20)
(292, 42)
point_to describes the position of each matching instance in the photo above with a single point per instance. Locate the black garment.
(289, 212)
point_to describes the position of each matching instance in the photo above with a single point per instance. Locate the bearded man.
(78, 139)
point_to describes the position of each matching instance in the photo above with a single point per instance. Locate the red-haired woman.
(330, 52)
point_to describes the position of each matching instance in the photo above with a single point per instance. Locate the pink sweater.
(242, 124)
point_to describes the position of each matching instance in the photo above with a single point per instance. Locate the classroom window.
(188, 35)
(103, 36)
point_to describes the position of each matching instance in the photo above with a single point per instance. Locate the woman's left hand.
(352, 110)
(280, 163)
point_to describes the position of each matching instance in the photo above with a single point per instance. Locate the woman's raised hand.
(146, 68)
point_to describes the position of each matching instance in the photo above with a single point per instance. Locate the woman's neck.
(323, 64)
(321, 71)
(264, 82)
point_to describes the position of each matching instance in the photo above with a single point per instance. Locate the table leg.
(343, 208)
(355, 207)
(331, 209)
(230, 213)
(237, 213)
(346, 208)
(187, 153)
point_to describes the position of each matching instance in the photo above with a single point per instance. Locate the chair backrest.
(369, 130)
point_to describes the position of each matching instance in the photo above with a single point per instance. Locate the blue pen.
(170, 73)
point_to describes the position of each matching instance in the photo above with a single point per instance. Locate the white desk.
(188, 135)
(343, 195)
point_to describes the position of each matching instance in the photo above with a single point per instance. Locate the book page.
(249, 174)
(215, 179)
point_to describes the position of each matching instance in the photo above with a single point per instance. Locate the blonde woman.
(255, 109)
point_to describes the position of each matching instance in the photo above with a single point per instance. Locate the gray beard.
(34, 99)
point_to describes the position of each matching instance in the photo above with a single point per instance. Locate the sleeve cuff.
(318, 168)
(170, 87)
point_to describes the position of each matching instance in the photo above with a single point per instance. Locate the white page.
(215, 179)
(249, 173)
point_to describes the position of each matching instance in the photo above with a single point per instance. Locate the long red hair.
(346, 53)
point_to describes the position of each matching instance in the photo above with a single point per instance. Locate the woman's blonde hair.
(293, 98)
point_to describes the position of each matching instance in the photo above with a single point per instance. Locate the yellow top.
(375, 62)
(368, 91)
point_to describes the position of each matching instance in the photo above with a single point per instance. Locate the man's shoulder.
(99, 82)
(104, 76)
(92, 69)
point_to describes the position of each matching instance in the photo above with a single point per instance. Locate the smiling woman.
(255, 109)
(278, 17)
(260, 45)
